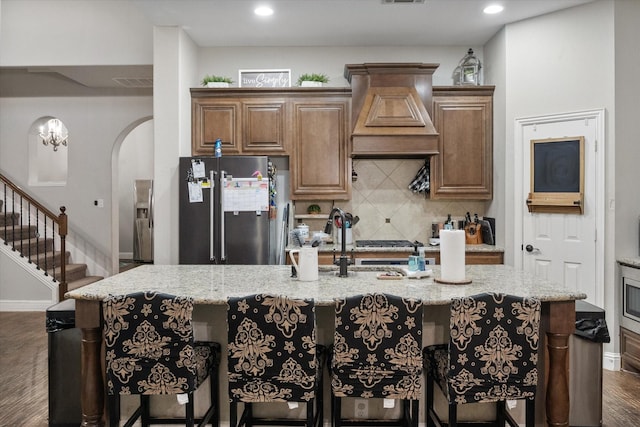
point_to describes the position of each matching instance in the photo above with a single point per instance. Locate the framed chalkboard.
(557, 175)
(264, 78)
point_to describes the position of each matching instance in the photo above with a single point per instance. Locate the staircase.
(41, 251)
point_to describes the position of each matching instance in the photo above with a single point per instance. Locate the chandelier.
(55, 134)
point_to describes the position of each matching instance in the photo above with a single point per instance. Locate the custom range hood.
(391, 110)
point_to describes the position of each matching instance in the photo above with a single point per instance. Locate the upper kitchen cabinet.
(463, 167)
(250, 122)
(320, 166)
(310, 125)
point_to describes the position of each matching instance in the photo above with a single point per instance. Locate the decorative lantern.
(468, 70)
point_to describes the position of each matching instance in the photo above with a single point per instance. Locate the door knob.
(530, 248)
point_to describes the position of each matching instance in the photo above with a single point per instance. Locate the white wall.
(573, 72)
(495, 72)
(326, 60)
(625, 175)
(71, 32)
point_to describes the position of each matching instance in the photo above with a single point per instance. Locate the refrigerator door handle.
(223, 243)
(211, 211)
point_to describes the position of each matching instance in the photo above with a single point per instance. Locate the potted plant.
(216, 81)
(312, 79)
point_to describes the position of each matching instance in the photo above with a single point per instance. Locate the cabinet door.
(463, 167)
(264, 127)
(320, 167)
(213, 119)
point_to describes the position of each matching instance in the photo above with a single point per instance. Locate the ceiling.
(212, 23)
(343, 22)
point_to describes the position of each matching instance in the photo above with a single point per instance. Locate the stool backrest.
(271, 349)
(493, 348)
(377, 347)
(149, 344)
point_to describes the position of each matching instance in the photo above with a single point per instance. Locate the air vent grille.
(134, 82)
(401, 1)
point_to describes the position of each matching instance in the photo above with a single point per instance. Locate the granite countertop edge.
(633, 262)
(213, 284)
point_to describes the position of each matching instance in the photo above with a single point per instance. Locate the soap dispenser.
(416, 262)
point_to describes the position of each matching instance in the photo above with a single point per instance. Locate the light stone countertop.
(329, 247)
(212, 284)
(633, 262)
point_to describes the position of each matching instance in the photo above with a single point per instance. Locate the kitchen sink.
(355, 269)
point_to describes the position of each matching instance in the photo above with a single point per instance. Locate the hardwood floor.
(24, 378)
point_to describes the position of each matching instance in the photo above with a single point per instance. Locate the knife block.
(473, 234)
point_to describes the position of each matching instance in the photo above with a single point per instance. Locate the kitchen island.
(210, 285)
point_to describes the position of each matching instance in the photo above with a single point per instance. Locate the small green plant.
(207, 78)
(313, 78)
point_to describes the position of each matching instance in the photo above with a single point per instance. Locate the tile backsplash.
(387, 208)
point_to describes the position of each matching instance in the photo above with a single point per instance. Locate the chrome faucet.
(343, 261)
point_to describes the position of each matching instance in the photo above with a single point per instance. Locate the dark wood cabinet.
(320, 167)
(463, 167)
(264, 127)
(310, 125)
(471, 257)
(247, 123)
(630, 350)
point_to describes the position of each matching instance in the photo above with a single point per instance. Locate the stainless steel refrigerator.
(224, 210)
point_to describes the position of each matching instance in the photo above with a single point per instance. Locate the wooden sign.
(557, 175)
(264, 78)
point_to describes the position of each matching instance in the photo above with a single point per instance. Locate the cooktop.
(385, 244)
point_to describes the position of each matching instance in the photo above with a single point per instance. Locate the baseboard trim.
(611, 361)
(18, 305)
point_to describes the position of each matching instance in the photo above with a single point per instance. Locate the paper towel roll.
(452, 255)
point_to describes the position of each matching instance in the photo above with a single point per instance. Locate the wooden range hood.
(391, 110)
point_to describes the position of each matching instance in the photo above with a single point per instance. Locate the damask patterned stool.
(273, 357)
(492, 356)
(377, 354)
(150, 350)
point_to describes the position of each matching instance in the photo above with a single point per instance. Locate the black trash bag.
(593, 330)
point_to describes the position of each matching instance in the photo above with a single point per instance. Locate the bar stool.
(273, 357)
(377, 354)
(492, 356)
(150, 350)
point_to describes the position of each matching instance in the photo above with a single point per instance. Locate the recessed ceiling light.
(263, 11)
(493, 8)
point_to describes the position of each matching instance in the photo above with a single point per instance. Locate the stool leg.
(530, 409)
(113, 402)
(429, 400)
(190, 418)
(453, 415)
(501, 407)
(337, 409)
(233, 414)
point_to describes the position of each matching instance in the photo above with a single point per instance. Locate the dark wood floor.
(24, 378)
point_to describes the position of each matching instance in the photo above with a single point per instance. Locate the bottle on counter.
(417, 261)
(448, 225)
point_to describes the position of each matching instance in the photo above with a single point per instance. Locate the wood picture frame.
(264, 78)
(557, 175)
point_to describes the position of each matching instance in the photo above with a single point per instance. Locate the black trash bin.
(64, 365)
(585, 348)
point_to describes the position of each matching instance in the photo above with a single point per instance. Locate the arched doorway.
(131, 159)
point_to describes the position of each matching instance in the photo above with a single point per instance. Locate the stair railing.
(20, 210)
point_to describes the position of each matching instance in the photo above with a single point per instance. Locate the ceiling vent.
(134, 82)
(401, 1)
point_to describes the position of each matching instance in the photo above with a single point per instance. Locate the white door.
(564, 247)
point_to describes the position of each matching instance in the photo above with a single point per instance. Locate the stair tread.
(82, 282)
